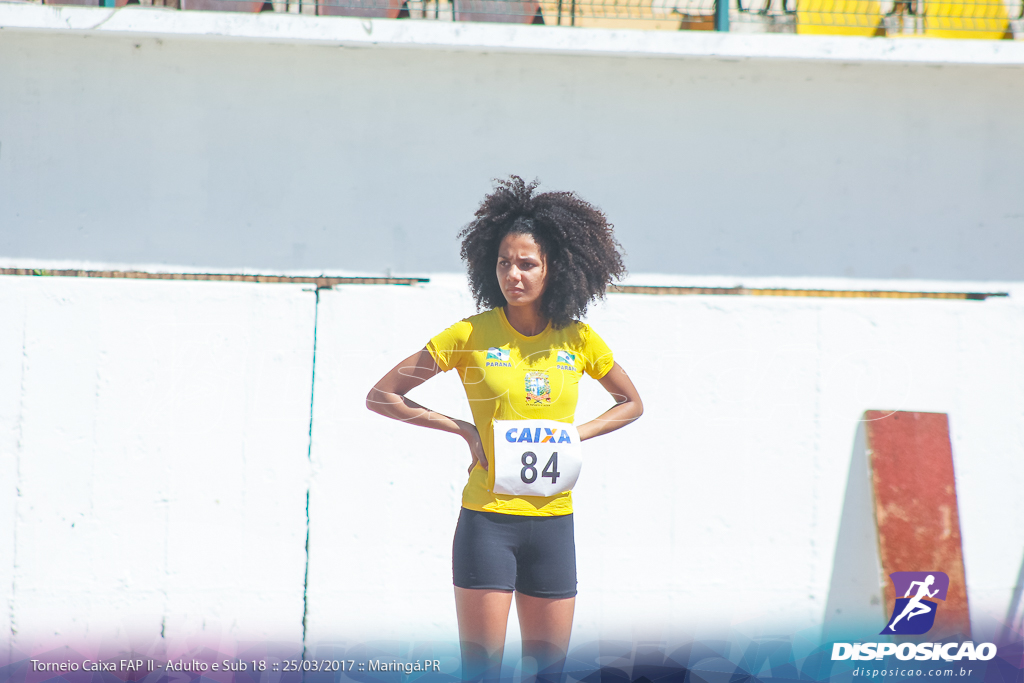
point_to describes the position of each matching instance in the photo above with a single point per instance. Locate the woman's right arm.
(387, 398)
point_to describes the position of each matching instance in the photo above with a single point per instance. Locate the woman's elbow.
(638, 409)
(373, 400)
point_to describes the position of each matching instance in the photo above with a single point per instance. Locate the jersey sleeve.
(448, 346)
(597, 357)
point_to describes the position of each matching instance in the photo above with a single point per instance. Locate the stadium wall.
(281, 142)
(168, 447)
(174, 467)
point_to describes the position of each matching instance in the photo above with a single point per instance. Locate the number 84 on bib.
(535, 457)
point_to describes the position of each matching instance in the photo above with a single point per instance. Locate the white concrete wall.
(145, 139)
(154, 438)
(154, 449)
(720, 508)
(385, 496)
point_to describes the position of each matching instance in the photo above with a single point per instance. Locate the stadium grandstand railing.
(977, 19)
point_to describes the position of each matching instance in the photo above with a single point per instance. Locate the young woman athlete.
(535, 262)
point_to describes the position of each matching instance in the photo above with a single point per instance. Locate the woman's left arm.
(627, 408)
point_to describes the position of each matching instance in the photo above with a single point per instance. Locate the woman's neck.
(526, 320)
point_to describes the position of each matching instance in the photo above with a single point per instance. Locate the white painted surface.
(770, 390)
(720, 508)
(287, 142)
(385, 496)
(169, 422)
(11, 374)
(158, 441)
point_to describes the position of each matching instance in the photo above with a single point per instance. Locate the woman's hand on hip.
(469, 432)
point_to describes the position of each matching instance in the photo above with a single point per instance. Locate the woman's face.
(522, 270)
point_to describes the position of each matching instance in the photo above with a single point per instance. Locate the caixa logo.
(537, 435)
(913, 615)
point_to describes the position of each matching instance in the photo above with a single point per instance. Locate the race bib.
(535, 457)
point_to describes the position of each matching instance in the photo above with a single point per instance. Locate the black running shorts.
(535, 556)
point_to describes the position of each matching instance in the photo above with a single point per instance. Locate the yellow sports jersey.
(509, 376)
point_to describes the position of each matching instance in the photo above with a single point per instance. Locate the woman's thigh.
(484, 551)
(545, 619)
(483, 617)
(546, 561)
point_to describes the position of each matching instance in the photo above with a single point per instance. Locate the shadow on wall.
(855, 591)
(1015, 611)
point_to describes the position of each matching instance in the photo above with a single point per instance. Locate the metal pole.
(721, 15)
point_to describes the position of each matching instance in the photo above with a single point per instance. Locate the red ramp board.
(915, 508)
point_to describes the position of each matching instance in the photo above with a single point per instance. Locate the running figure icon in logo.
(907, 607)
